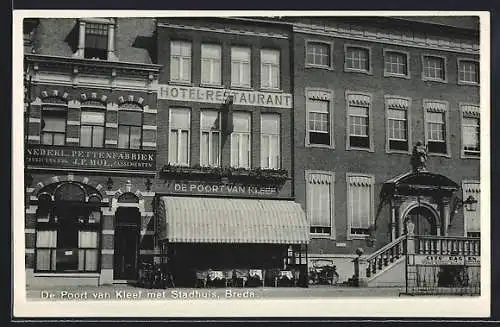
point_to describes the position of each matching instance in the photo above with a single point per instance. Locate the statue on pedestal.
(419, 157)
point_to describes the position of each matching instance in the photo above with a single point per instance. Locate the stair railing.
(385, 256)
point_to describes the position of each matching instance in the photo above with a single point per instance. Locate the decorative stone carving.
(419, 157)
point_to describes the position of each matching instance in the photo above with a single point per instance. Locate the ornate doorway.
(424, 220)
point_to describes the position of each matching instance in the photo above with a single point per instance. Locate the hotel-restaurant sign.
(89, 158)
(213, 95)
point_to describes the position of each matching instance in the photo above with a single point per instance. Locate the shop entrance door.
(126, 243)
(424, 220)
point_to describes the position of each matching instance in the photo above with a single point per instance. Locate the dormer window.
(96, 39)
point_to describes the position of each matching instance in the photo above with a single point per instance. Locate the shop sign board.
(222, 189)
(46, 156)
(443, 260)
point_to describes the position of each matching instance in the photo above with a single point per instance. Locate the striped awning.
(223, 220)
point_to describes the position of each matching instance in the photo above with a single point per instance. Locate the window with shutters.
(397, 124)
(472, 214)
(436, 127)
(320, 202)
(471, 130)
(180, 61)
(360, 204)
(319, 118)
(179, 136)
(53, 123)
(241, 140)
(241, 67)
(269, 69)
(210, 143)
(130, 127)
(211, 64)
(270, 151)
(92, 120)
(359, 125)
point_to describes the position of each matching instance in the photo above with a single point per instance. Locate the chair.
(271, 276)
(229, 277)
(241, 274)
(201, 276)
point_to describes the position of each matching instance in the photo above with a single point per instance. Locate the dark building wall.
(379, 163)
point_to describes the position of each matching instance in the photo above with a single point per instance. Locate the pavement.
(130, 292)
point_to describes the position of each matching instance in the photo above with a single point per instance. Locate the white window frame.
(477, 197)
(240, 154)
(356, 70)
(462, 82)
(432, 79)
(331, 176)
(60, 107)
(264, 134)
(400, 103)
(469, 110)
(443, 108)
(211, 62)
(181, 58)
(210, 138)
(240, 65)
(176, 162)
(329, 45)
(269, 78)
(320, 95)
(391, 74)
(349, 200)
(353, 96)
(111, 22)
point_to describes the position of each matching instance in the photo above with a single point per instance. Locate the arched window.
(92, 124)
(67, 230)
(130, 126)
(53, 123)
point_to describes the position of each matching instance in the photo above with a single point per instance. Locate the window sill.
(180, 83)
(59, 274)
(467, 83)
(241, 88)
(397, 151)
(427, 79)
(444, 155)
(354, 70)
(213, 86)
(320, 146)
(357, 237)
(348, 148)
(330, 68)
(271, 90)
(322, 236)
(466, 156)
(386, 74)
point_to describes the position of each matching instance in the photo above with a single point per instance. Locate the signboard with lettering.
(37, 155)
(447, 260)
(213, 95)
(222, 189)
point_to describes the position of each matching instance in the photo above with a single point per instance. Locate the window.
(211, 64)
(319, 202)
(270, 69)
(96, 40)
(92, 128)
(53, 125)
(179, 138)
(129, 129)
(470, 130)
(468, 71)
(240, 140)
(472, 217)
(359, 122)
(240, 67)
(397, 123)
(357, 59)
(318, 54)
(180, 61)
(395, 63)
(436, 127)
(360, 204)
(210, 144)
(270, 151)
(319, 117)
(434, 68)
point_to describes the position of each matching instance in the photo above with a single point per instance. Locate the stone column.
(410, 256)
(81, 40)
(111, 43)
(445, 216)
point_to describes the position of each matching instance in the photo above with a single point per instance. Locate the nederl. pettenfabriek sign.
(212, 95)
(89, 158)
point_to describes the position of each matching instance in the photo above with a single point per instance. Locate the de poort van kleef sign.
(89, 158)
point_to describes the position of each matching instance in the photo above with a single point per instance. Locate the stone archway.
(424, 220)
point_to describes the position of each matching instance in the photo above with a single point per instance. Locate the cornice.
(225, 30)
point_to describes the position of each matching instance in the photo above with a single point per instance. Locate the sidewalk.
(130, 292)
